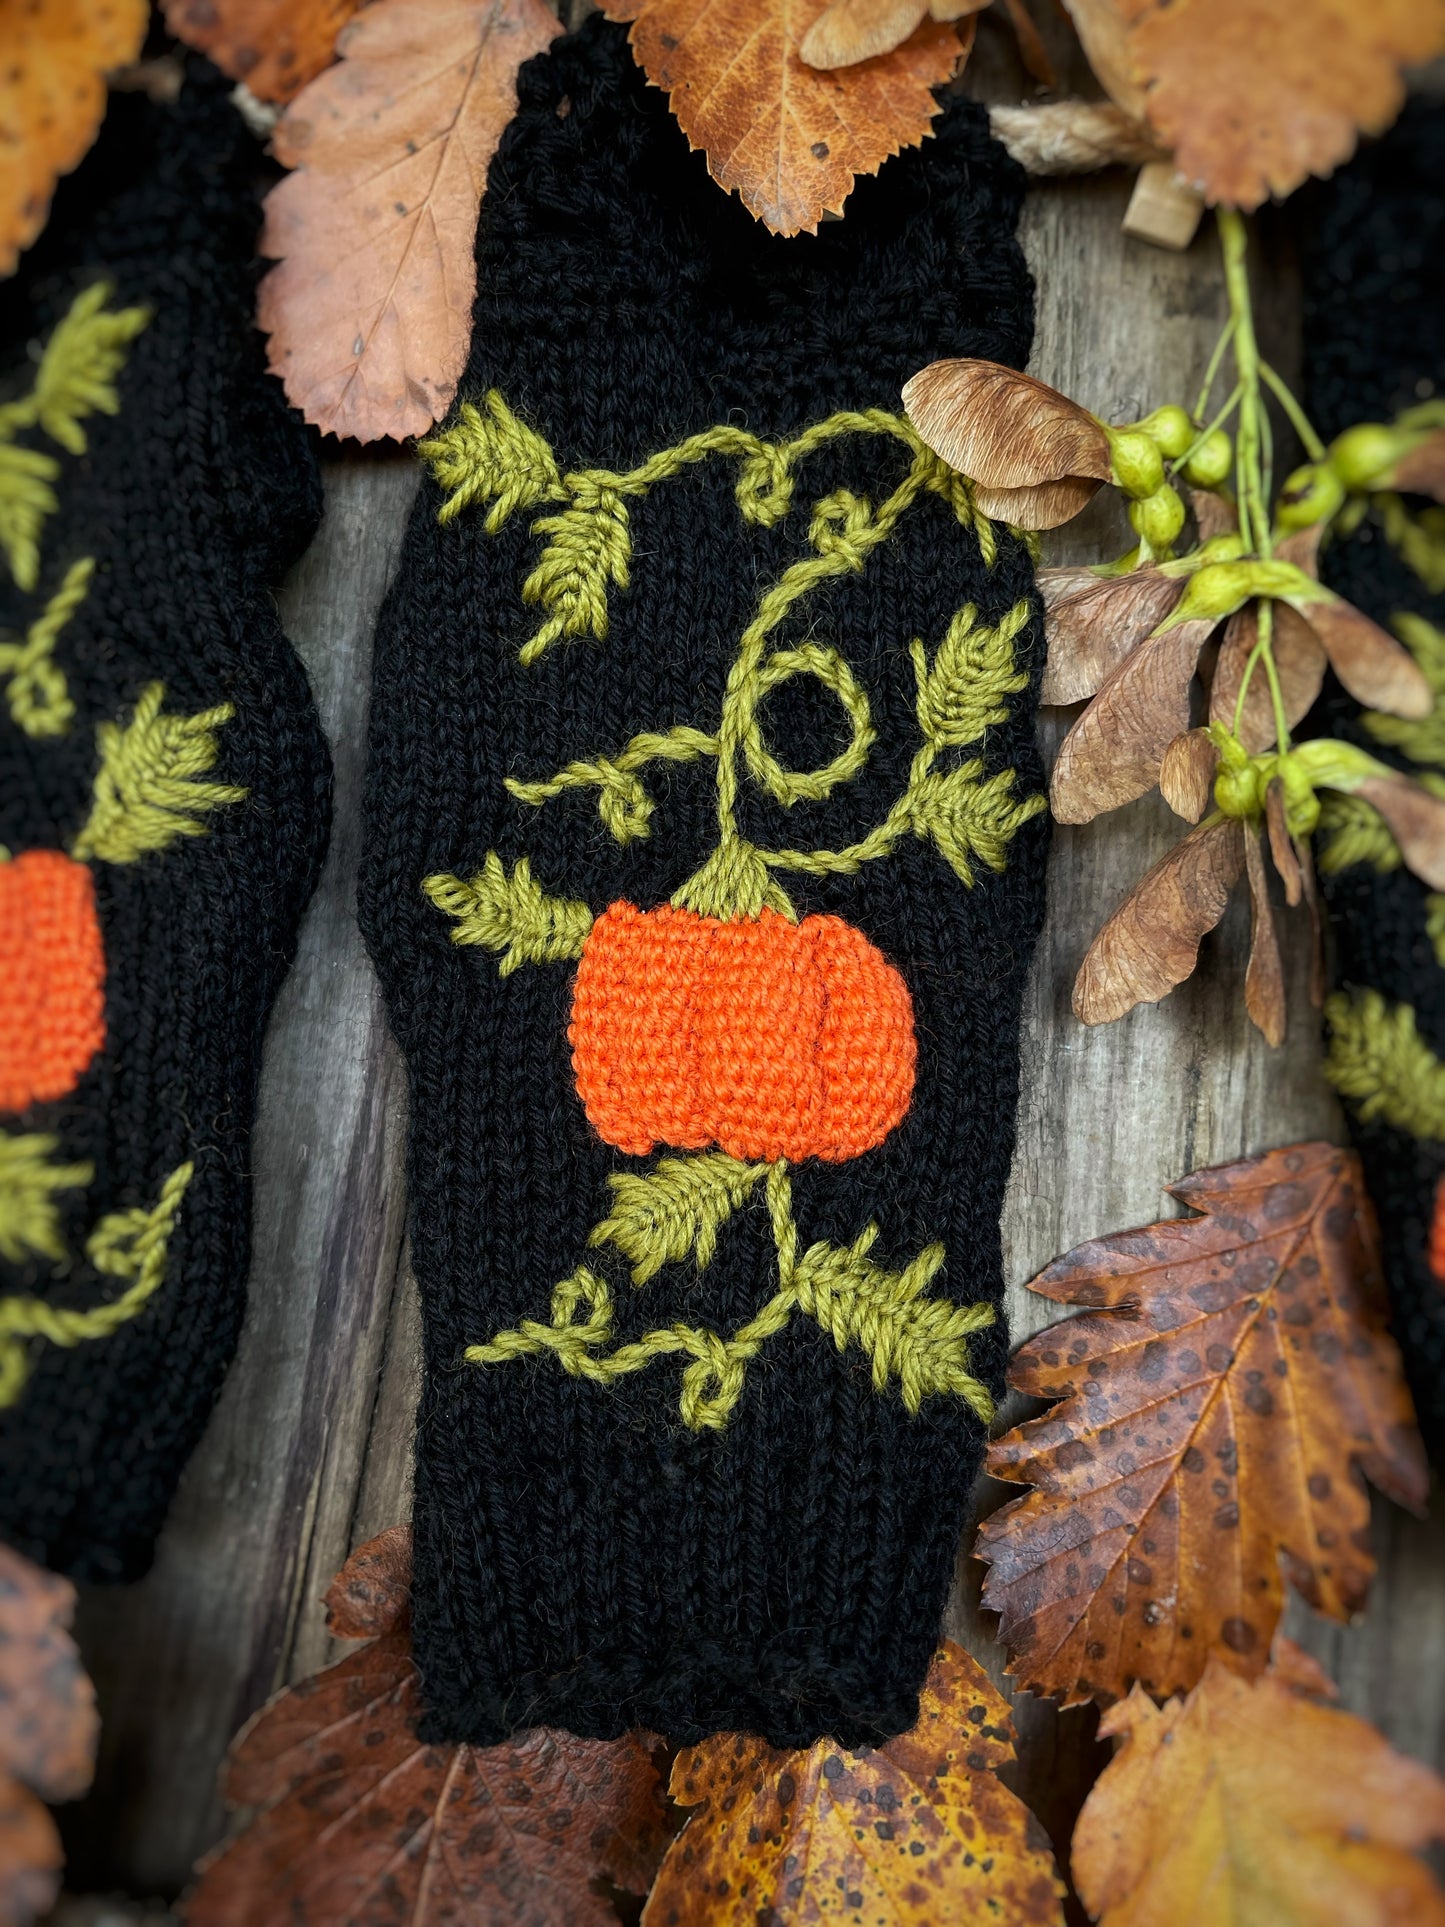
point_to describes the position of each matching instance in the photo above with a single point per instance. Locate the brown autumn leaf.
(52, 99)
(915, 1832)
(1378, 671)
(1186, 775)
(1151, 943)
(1115, 749)
(1299, 659)
(1093, 621)
(1422, 470)
(1264, 975)
(1254, 96)
(1103, 30)
(847, 31)
(1416, 820)
(1282, 846)
(48, 1732)
(359, 1820)
(275, 46)
(788, 139)
(1251, 1802)
(1035, 457)
(1232, 1374)
(370, 308)
(371, 1595)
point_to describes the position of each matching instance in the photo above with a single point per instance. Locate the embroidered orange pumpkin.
(1437, 1236)
(52, 977)
(768, 1038)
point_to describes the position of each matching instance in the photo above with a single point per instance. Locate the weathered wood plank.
(309, 1452)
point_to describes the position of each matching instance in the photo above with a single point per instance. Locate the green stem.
(1253, 517)
(1226, 336)
(1299, 421)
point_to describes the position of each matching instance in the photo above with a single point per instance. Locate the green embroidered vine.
(489, 460)
(921, 1342)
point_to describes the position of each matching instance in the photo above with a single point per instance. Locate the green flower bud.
(1328, 764)
(1170, 429)
(1301, 805)
(1211, 462)
(1158, 518)
(1363, 452)
(1216, 591)
(1138, 465)
(1312, 494)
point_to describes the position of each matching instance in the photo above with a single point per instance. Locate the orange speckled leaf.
(1256, 95)
(917, 1832)
(1231, 1374)
(52, 98)
(370, 309)
(1251, 1802)
(275, 46)
(359, 1821)
(788, 138)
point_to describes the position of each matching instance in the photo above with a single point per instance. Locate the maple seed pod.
(768, 1038)
(1138, 465)
(1211, 462)
(1216, 591)
(1170, 429)
(1364, 453)
(1311, 494)
(1301, 805)
(1158, 518)
(52, 977)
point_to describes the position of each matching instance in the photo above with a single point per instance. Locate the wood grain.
(309, 1450)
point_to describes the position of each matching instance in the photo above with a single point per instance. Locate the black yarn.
(1373, 244)
(193, 500)
(580, 1558)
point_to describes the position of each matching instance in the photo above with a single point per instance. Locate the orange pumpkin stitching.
(52, 977)
(768, 1038)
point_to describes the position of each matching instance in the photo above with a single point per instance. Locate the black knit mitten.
(713, 1063)
(1374, 247)
(164, 795)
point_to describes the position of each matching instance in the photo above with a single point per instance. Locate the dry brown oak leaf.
(1253, 96)
(54, 55)
(359, 1824)
(48, 1733)
(788, 139)
(913, 1833)
(370, 309)
(275, 46)
(1231, 1375)
(1251, 1804)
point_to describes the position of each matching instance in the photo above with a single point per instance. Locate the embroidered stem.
(36, 691)
(922, 1342)
(125, 1244)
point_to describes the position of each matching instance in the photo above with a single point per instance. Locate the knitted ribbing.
(1374, 256)
(164, 793)
(699, 1421)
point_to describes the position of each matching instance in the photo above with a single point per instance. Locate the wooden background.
(308, 1452)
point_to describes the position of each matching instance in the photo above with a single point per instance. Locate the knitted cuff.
(705, 859)
(1374, 258)
(164, 793)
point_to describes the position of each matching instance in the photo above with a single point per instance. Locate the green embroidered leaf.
(1435, 925)
(972, 673)
(920, 1341)
(29, 1217)
(589, 550)
(1378, 1059)
(147, 786)
(491, 457)
(1418, 537)
(510, 913)
(77, 371)
(968, 816)
(1423, 740)
(676, 1209)
(26, 498)
(1353, 831)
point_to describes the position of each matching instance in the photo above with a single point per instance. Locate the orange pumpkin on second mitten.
(768, 1038)
(52, 977)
